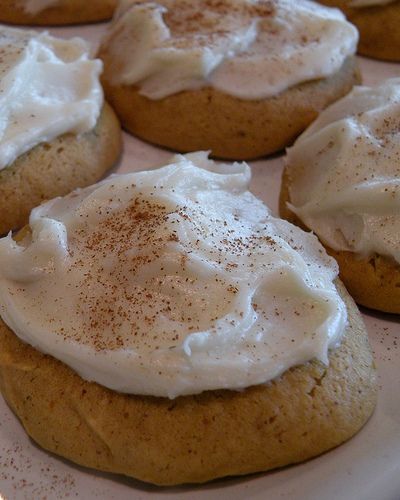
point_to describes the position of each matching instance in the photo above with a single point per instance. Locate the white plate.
(365, 468)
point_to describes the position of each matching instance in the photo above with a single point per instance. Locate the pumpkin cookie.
(241, 79)
(56, 133)
(201, 336)
(57, 167)
(378, 23)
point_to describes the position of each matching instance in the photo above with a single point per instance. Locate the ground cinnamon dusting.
(210, 20)
(125, 293)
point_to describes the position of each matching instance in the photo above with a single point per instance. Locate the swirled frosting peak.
(251, 49)
(345, 172)
(48, 87)
(169, 282)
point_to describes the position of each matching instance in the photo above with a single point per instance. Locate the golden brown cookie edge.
(232, 128)
(56, 168)
(193, 439)
(70, 12)
(379, 28)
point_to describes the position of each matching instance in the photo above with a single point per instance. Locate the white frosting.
(369, 3)
(171, 282)
(48, 87)
(251, 49)
(35, 6)
(345, 172)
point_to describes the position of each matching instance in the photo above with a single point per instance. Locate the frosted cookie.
(56, 133)
(342, 180)
(378, 22)
(238, 77)
(55, 12)
(200, 336)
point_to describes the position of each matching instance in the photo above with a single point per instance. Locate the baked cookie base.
(56, 168)
(68, 12)
(231, 128)
(373, 282)
(193, 439)
(379, 28)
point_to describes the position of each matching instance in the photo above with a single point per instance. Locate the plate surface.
(365, 468)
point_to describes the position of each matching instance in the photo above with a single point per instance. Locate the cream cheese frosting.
(251, 49)
(171, 282)
(35, 6)
(48, 87)
(345, 172)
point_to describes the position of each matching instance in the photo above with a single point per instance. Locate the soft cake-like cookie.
(56, 133)
(378, 22)
(342, 182)
(200, 336)
(55, 12)
(239, 78)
